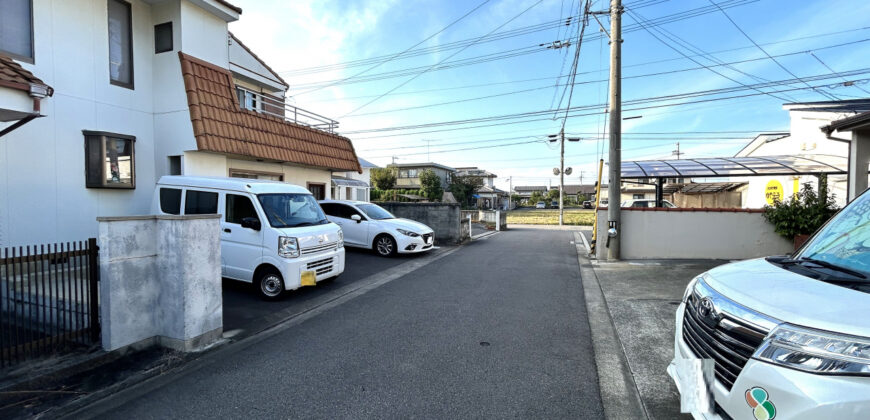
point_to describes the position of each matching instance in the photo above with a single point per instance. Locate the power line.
(825, 94)
(832, 70)
(445, 59)
(391, 58)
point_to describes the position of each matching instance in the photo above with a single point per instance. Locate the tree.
(805, 213)
(536, 196)
(384, 178)
(553, 195)
(430, 185)
(463, 187)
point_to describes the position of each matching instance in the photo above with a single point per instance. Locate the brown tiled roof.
(12, 75)
(219, 125)
(237, 9)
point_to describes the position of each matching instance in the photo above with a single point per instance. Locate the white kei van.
(272, 233)
(786, 337)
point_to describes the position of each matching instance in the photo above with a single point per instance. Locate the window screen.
(200, 202)
(16, 28)
(120, 43)
(163, 37)
(238, 208)
(170, 200)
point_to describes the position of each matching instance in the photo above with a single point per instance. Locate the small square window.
(170, 200)
(110, 160)
(162, 37)
(200, 202)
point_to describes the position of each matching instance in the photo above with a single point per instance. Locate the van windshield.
(845, 240)
(291, 210)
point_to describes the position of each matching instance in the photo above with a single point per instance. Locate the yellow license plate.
(309, 278)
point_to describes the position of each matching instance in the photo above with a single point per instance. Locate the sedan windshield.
(374, 211)
(291, 210)
(845, 241)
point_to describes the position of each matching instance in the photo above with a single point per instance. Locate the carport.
(660, 170)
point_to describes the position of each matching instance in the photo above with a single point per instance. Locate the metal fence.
(49, 299)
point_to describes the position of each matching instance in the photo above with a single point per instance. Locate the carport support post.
(615, 149)
(659, 192)
(859, 157)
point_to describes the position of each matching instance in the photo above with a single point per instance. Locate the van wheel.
(385, 246)
(270, 285)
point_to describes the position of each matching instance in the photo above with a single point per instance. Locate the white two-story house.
(99, 98)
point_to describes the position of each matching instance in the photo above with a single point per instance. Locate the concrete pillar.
(859, 158)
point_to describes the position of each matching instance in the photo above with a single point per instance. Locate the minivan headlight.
(689, 289)
(408, 233)
(288, 247)
(816, 351)
(340, 239)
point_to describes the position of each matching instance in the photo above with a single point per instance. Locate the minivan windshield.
(374, 211)
(845, 240)
(291, 210)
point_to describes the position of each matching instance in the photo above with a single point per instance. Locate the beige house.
(408, 174)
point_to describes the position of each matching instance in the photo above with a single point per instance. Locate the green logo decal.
(762, 408)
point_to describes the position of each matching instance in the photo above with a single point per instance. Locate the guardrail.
(277, 107)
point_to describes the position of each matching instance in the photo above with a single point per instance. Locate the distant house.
(487, 196)
(573, 191)
(525, 191)
(408, 174)
(352, 185)
(138, 90)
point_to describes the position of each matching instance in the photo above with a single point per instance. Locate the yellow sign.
(309, 278)
(773, 192)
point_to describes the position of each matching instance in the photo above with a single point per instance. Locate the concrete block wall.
(693, 233)
(160, 280)
(443, 218)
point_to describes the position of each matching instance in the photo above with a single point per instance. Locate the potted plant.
(806, 212)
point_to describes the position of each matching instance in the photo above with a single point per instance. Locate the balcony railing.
(276, 107)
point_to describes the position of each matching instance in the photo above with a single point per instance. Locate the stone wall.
(443, 218)
(160, 279)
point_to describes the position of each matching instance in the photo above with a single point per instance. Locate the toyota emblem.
(707, 312)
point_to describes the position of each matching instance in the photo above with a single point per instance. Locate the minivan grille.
(730, 343)
(320, 266)
(318, 248)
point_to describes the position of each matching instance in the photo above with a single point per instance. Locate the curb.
(619, 394)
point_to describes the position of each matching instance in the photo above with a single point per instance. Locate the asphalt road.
(244, 310)
(496, 329)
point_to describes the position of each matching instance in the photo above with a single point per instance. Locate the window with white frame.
(16, 29)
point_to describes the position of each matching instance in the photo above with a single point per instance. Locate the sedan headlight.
(816, 351)
(408, 233)
(288, 247)
(340, 239)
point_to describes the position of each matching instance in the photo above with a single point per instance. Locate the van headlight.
(288, 247)
(816, 351)
(408, 233)
(340, 239)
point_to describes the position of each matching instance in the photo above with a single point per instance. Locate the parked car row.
(278, 237)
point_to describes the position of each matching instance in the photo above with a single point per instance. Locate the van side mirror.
(251, 223)
(356, 217)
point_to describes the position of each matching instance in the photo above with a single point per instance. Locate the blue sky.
(295, 36)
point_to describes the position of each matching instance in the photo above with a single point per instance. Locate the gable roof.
(13, 76)
(577, 189)
(366, 164)
(220, 125)
(260, 60)
(530, 188)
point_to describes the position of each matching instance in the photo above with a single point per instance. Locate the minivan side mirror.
(356, 217)
(251, 223)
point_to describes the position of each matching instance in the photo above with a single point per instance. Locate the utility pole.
(677, 152)
(561, 174)
(510, 192)
(428, 157)
(615, 151)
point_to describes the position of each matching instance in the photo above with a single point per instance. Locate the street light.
(561, 170)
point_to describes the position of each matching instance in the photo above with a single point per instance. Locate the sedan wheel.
(385, 246)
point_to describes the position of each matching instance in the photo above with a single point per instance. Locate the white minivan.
(787, 337)
(273, 234)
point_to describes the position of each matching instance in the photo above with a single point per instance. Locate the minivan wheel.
(385, 246)
(270, 284)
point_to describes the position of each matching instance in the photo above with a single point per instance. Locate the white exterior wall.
(806, 139)
(42, 183)
(204, 35)
(669, 234)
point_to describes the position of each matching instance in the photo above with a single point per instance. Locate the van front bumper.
(325, 264)
(795, 394)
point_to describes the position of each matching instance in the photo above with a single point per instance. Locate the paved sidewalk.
(642, 297)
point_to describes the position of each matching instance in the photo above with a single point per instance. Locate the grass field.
(551, 217)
